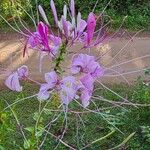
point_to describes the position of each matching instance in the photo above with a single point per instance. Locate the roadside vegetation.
(128, 119)
(137, 13)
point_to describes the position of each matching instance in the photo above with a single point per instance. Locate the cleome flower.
(71, 29)
(43, 41)
(12, 82)
(83, 63)
(66, 88)
(75, 28)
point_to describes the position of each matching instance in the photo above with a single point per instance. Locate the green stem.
(100, 139)
(60, 58)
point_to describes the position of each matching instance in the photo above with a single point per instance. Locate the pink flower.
(43, 41)
(40, 37)
(65, 87)
(51, 79)
(86, 64)
(12, 82)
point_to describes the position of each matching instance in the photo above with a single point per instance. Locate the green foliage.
(138, 12)
(127, 119)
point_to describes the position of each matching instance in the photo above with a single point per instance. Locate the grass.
(128, 120)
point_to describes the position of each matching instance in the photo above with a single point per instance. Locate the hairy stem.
(60, 58)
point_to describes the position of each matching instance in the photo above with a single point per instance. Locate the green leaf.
(47, 111)
(30, 129)
(147, 72)
(27, 144)
(2, 148)
(39, 132)
(36, 116)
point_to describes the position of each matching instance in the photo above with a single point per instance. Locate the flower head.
(43, 41)
(12, 82)
(86, 64)
(66, 87)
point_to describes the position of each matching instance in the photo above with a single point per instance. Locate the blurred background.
(137, 11)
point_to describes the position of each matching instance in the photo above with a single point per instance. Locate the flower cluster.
(84, 68)
(74, 30)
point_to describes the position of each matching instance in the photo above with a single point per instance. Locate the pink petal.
(43, 94)
(42, 12)
(23, 72)
(34, 40)
(91, 24)
(56, 40)
(81, 24)
(52, 4)
(12, 82)
(68, 90)
(88, 82)
(51, 78)
(72, 8)
(65, 27)
(85, 97)
(43, 31)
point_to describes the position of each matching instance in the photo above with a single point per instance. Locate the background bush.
(138, 11)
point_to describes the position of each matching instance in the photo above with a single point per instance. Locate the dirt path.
(11, 57)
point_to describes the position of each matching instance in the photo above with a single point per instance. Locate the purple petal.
(42, 12)
(86, 64)
(85, 97)
(67, 95)
(23, 72)
(43, 94)
(77, 64)
(86, 92)
(43, 31)
(51, 78)
(81, 24)
(12, 82)
(65, 27)
(91, 24)
(69, 89)
(88, 82)
(56, 40)
(81, 63)
(65, 11)
(72, 8)
(52, 4)
(98, 71)
(34, 40)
